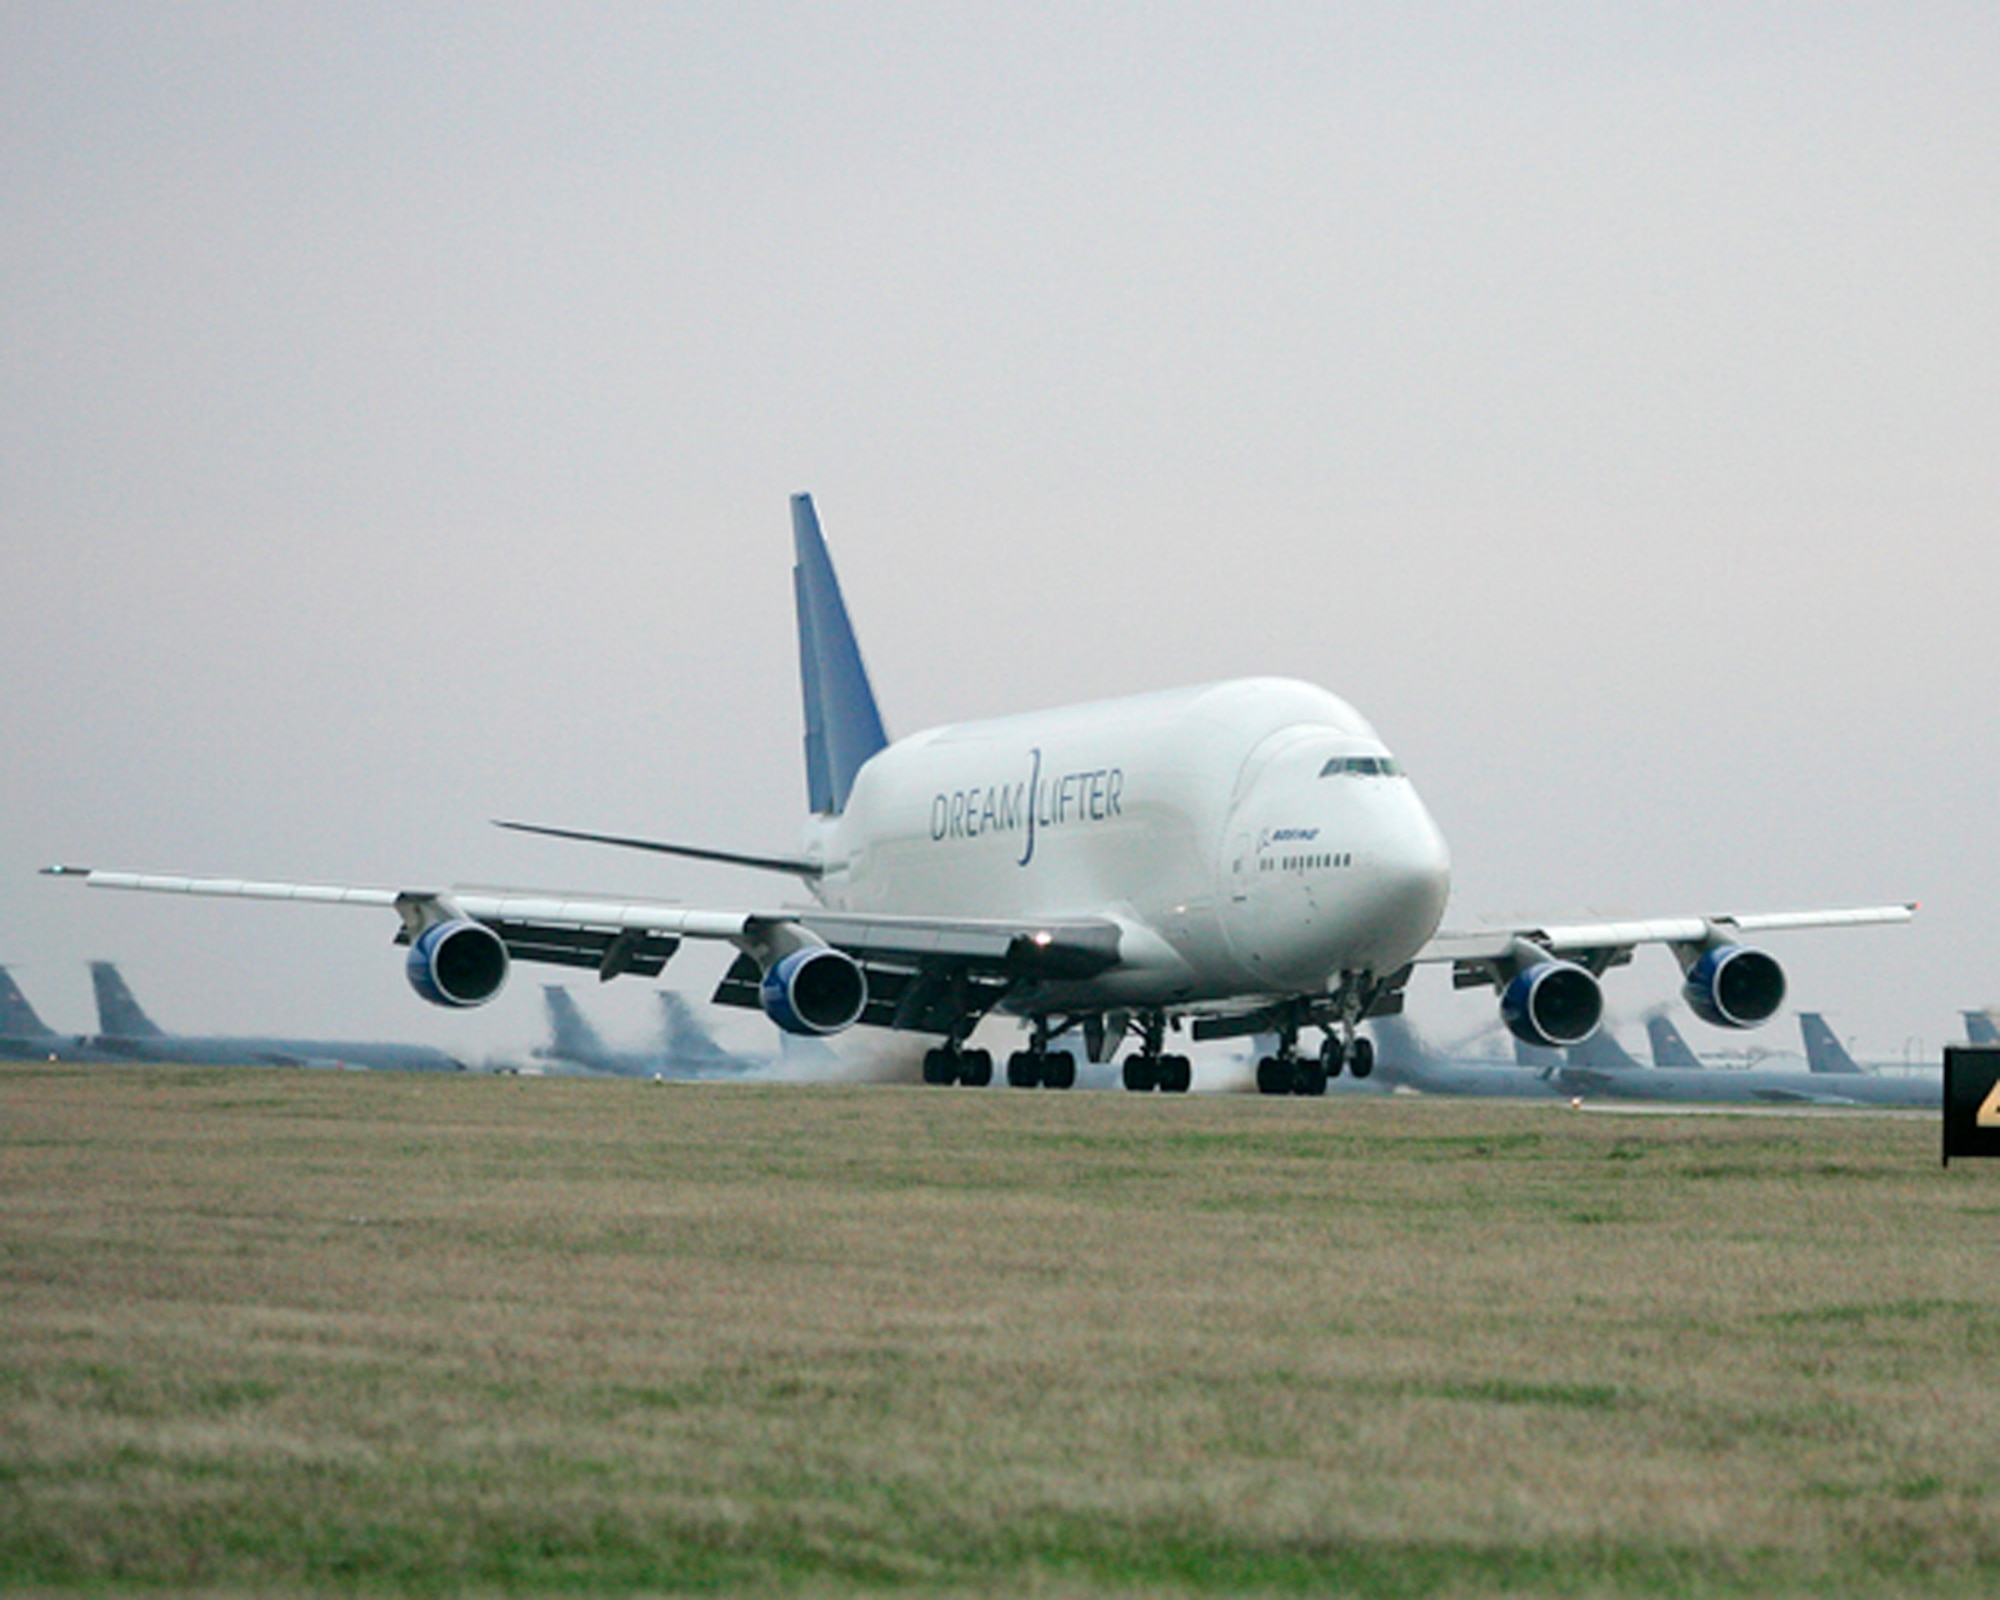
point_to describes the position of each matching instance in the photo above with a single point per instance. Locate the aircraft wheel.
(1331, 1056)
(1059, 1070)
(940, 1065)
(1274, 1076)
(1142, 1073)
(1309, 1077)
(1024, 1070)
(1363, 1062)
(1176, 1074)
(975, 1068)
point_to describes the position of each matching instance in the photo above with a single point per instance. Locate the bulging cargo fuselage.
(1249, 836)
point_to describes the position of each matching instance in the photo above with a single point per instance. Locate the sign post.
(1971, 1100)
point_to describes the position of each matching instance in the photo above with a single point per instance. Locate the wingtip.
(61, 871)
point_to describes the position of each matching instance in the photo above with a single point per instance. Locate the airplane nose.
(1413, 879)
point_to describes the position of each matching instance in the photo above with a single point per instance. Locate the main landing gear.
(949, 1063)
(1037, 1067)
(1041, 1069)
(1153, 1069)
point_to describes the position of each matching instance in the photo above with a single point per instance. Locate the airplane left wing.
(916, 968)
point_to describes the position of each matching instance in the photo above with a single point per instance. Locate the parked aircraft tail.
(1670, 1049)
(1604, 1053)
(689, 1046)
(1824, 1052)
(571, 1035)
(843, 726)
(1980, 1027)
(119, 1015)
(18, 1019)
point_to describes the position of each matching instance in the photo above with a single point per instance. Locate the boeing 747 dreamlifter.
(1241, 857)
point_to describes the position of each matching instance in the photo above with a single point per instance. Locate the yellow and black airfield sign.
(1971, 1100)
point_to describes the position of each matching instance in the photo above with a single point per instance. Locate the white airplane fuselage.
(1249, 837)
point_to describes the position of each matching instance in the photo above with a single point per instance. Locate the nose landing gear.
(1343, 1048)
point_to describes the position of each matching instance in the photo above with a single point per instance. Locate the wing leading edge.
(1599, 945)
(912, 956)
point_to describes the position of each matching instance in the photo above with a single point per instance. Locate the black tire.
(1176, 1074)
(1275, 1076)
(1363, 1063)
(1059, 1070)
(975, 1068)
(940, 1066)
(1024, 1070)
(1309, 1077)
(1142, 1074)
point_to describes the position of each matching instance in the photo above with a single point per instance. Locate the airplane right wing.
(1547, 975)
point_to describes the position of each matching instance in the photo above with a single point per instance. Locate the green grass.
(356, 1334)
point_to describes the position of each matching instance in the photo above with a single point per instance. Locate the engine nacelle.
(814, 991)
(1734, 986)
(457, 964)
(1552, 1004)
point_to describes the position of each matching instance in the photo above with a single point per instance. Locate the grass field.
(381, 1334)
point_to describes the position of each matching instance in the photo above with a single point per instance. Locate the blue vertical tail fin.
(688, 1044)
(1670, 1046)
(18, 1019)
(1980, 1027)
(571, 1037)
(1824, 1052)
(843, 726)
(1603, 1051)
(119, 1014)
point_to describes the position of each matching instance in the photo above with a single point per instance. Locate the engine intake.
(1552, 1004)
(816, 991)
(1734, 986)
(457, 964)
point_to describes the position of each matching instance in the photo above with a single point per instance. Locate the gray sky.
(401, 404)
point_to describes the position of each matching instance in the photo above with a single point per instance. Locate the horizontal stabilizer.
(796, 866)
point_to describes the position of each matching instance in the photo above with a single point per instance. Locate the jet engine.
(814, 991)
(1734, 986)
(1552, 1004)
(458, 964)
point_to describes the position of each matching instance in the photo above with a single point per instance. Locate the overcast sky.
(400, 406)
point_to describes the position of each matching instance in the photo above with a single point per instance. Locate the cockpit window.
(1363, 767)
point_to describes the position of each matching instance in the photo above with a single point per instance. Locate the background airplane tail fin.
(1980, 1027)
(119, 1015)
(1602, 1051)
(571, 1037)
(1824, 1052)
(684, 1037)
(843, 726)
(1670, 1048)
(17, 1017)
